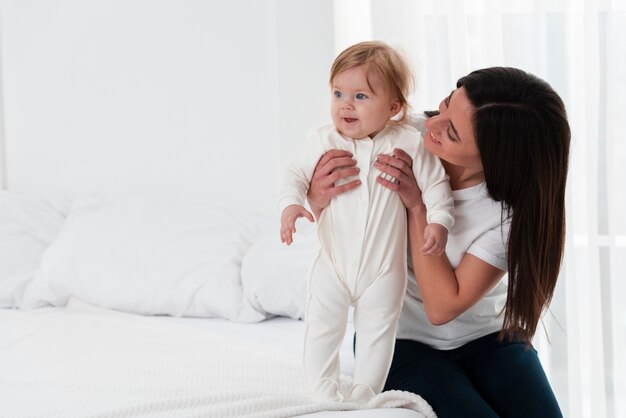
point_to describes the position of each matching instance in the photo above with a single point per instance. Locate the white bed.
(136, 306)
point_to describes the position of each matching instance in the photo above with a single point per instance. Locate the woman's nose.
(433, 123)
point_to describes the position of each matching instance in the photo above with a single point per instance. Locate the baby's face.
(360, 104)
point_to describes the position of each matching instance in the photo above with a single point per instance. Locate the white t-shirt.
(480, 230)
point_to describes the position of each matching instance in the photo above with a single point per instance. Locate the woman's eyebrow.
(450, 97)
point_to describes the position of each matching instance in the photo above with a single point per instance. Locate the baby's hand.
(288, 221)
(436, 237)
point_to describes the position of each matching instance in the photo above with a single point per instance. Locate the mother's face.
(450, 136)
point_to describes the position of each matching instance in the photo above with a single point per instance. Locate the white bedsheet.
(280, 333)
(83, 361)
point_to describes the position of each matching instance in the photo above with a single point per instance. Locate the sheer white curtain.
(579, 47)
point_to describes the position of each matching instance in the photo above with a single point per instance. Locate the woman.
(464, 335)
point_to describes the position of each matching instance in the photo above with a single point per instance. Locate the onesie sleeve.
(296, 174)
(433, 181)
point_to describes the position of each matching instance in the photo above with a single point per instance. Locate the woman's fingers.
(328, 188)
(398, 176)
(343, 172)
(402, 162)
(334, 153)
(402, 155)
(391, 185)
(401, 174)
(337, 190)
(334, 159)
(333, 166)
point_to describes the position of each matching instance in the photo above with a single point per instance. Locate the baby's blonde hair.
(384, 60)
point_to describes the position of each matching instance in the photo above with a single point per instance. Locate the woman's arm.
(446, 292)
(334, 165)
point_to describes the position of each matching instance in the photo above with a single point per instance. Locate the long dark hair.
(523, 137)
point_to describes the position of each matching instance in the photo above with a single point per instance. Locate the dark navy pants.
(484, 378)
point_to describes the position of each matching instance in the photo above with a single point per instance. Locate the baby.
(362, 233)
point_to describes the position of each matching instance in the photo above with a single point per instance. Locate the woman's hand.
(399, 166)
(334, 165)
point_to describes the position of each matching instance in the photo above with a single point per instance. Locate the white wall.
(306, 52)
(172, 97)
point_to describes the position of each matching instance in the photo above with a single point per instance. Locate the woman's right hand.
(333, 166)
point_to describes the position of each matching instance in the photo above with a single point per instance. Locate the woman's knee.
(512, 379)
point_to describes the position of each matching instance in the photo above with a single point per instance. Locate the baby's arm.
(295, 181)
(435, 237)
(288, 221)
(437, 196)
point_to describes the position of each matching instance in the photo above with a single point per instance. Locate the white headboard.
(170, 97)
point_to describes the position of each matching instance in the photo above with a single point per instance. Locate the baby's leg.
(325, 319)
(375, 321)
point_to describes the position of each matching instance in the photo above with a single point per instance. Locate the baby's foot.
(361, 393)
(327, 390)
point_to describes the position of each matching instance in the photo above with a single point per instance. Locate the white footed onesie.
(363, 256)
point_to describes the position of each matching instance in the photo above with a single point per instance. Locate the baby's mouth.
(350, 120)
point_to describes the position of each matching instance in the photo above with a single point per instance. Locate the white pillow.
(150, 255)
(28, 224)
(275, 275)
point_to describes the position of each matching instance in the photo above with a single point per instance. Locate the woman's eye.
(338, 94)
(361, 96)
(451, 135)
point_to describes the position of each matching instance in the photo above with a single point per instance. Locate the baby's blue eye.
(361, 96)
(338, 94)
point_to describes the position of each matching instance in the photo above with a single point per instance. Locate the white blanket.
(87, 362)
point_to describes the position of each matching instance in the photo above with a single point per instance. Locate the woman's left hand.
(399, 165)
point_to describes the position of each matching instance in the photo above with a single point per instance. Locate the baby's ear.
(395, 108)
